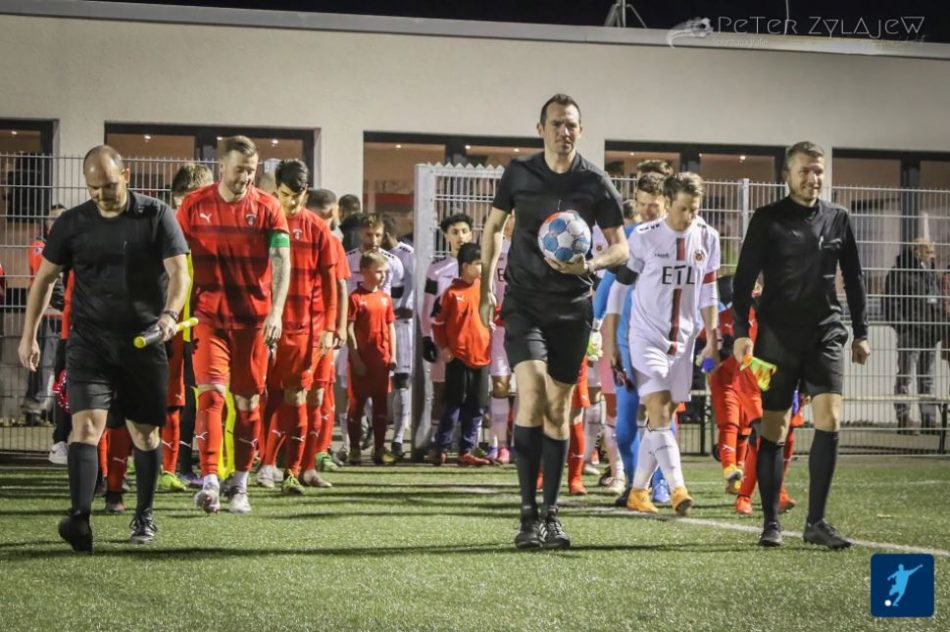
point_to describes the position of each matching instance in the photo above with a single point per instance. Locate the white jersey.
(392, 279)
(500, 284)
(439, 277)
(406, 255)
(677, 278)
(598, 246)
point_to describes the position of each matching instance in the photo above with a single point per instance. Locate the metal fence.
(29, 186)
(885, 222)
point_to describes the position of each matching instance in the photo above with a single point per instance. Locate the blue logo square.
(902, 585)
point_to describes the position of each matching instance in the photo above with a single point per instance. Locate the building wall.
(86, 72)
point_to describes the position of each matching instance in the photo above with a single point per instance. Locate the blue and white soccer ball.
(563, 236)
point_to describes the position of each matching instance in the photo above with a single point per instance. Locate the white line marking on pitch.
(716, 524)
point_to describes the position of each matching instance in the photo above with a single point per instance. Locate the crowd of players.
(295, 331)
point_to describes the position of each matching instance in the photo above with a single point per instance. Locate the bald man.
(127, 256)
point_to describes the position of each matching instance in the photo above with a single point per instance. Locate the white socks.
(663, 445)
(500, 408)
(593, 415)
(401, 413)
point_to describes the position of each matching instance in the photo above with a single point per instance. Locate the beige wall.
(86, 72)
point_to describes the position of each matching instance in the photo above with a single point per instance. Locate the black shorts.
(552, 329)
(103, 369)
(813, 358)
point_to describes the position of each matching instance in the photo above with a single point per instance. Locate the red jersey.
(371, 314)
(458, 326)
(36, 256)
(230, 255)
(342, 270)
(67, 305)
(312, 259)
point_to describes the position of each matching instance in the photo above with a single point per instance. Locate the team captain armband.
(278, 239)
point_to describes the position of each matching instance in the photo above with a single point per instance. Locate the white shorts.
(605, 376)
(499, 358)
(437, 371)
(657, 371)
(405, 336)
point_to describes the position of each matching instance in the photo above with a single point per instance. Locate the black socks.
(770, 470)
(821, 469)
(553, 457)
(527, 443)
(147, 466)
(83, 466)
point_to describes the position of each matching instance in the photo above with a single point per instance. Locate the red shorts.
(373, 382)
(236, 358)
(176, 372)
(293, 362)
(736, 397)
(581, 395)
(324, 370)
(798, 420)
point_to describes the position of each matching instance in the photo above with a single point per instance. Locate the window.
(390, 159)
(621, 164)
(184, 142)
(25, 174)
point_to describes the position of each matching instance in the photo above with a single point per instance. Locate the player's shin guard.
(380, 421)
(246, 428)
(646, 463)
(312, 442)
(575, 456)
(528, 446)
(327, 419)
(727, 440)
(593, 426)
(171, 438)
(293, 423)
(553, 455)
(742, 448)
(82, 464)
(209, 430)
(274, 440)
(666, 450)
(402, 409)
(273, 400)
(120, 445)
(769, 471)
(749, 472)
(500, 409)
(821, 469)
(147, 467)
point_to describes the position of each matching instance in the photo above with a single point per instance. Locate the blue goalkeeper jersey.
(600, 307)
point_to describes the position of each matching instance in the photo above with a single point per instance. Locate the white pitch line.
(716, 524)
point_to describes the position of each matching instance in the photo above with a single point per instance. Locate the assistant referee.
(127, 256)
(798, 243)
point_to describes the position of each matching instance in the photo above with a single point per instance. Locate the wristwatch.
(171, 313)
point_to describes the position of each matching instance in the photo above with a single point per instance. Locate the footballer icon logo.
(251, 219)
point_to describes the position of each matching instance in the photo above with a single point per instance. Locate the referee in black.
(798, 243)
(547, 305)
(127, 254)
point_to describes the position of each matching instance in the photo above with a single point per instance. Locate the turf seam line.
(889, 546)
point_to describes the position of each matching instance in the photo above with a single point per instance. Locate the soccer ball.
(563, 236)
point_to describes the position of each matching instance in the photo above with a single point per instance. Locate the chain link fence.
(29, 186)
(897, 403)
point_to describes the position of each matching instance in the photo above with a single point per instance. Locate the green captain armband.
(278, 239)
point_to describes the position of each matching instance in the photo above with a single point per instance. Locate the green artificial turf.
(423, 548)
